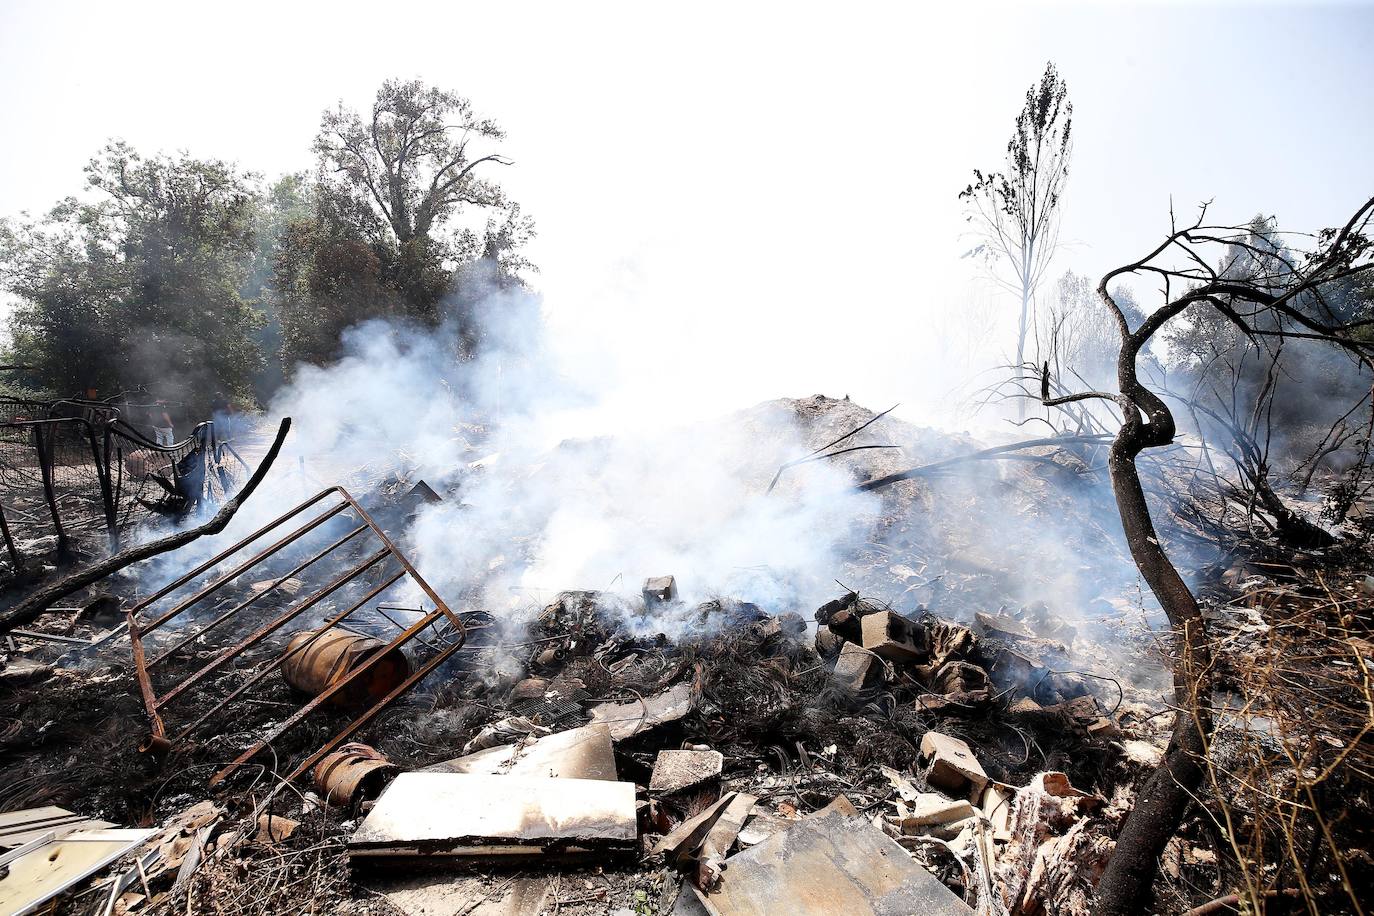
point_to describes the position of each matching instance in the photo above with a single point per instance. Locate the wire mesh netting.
(70, 468)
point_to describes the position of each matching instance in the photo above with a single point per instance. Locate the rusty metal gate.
(388, 565)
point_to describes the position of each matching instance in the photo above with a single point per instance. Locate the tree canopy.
(190, 276)
(144, 284)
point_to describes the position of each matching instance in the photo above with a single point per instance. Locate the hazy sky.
(738, 202)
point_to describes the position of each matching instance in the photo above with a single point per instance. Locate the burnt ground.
(1285, 812)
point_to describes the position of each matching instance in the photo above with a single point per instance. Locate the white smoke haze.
(605, 514)
(534, 505)
(529, 512)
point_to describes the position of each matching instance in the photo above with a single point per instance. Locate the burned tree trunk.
(1162, 800)
(1288, 293)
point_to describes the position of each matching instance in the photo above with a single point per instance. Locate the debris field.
(264, 733)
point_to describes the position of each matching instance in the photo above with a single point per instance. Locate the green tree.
(144, 284)
(394, 229)
(403, 172)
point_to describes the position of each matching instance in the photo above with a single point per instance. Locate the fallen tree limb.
(40, 600)
(817, 456)
(986, 454)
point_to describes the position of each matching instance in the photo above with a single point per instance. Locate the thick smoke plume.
(528, 512)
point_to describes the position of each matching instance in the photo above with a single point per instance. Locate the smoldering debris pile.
(597, 764)
(895, 748)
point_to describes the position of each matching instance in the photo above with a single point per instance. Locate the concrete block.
(858, 669)
(891, 636)
(828, 643)
(931, 809)
(678, 771)
(659, 590)
(959, 677)
(952, 765)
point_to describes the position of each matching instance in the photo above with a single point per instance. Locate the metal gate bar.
(229, 614)
(156, 704)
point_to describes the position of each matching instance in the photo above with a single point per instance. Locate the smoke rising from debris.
(531, 507)
(527, 512)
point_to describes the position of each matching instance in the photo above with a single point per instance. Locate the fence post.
(102, 472)
(45, 467)
(9, 541)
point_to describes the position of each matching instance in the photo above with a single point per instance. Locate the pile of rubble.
(876, 762)
(315, 749)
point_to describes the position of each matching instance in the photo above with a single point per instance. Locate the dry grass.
(1291, 759)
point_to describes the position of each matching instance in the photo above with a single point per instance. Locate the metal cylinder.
(318, 659)
(155, 746)
(353, 772)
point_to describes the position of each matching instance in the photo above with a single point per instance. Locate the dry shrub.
(1291, 759)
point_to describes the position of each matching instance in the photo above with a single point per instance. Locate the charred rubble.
(330, 752)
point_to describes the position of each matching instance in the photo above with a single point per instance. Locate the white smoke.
(529, 512)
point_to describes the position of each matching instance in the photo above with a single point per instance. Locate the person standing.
(162, 424)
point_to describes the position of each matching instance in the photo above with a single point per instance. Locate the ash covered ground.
(982, 609)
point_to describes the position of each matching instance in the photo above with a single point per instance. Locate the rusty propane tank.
(318, 659)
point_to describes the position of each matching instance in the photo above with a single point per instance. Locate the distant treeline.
(194, 280)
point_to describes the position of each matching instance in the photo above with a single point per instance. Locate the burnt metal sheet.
(44, 870)
(19, 827)
(578, 753)
(834, 861)
(441, 815)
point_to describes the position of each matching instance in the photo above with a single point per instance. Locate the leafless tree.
(1279, 304)
(1015, 212)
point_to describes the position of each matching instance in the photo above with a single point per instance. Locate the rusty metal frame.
(159, 741)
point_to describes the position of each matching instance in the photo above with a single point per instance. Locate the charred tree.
(1284, 305)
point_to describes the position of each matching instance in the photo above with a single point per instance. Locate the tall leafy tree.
(396, 223)
(1015, 212)
(145, 282)
(403, 171)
